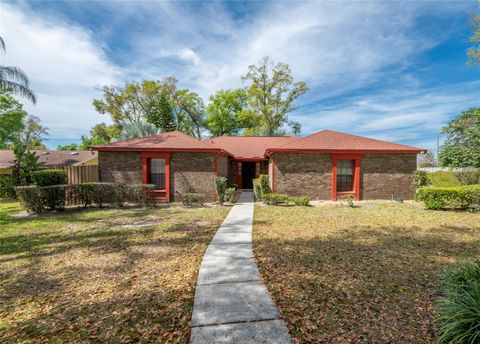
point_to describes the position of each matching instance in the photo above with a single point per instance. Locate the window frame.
(356, 175)
(160, 194)
(149, 174)
(352, 175)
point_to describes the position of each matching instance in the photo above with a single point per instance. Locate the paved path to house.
(232, 305)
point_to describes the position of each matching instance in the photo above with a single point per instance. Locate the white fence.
(447, 169)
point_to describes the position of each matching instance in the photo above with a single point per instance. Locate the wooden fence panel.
(80, 174)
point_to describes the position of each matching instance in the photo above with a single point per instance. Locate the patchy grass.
(102, 276)
(442, 178)
(366, 274)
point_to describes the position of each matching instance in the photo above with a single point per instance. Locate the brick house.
(324, 165)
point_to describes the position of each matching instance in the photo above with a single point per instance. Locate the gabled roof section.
(332, 141)
(49, 157)
(169, 141)
(249, 147)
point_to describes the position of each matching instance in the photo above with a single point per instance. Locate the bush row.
(445, 178)
(262, 192)
(456, 197)
(276, 199)
(57, 197)
(49, 177)
(261, 187)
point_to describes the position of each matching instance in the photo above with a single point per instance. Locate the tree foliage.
(13, 79)
(133, 103)
(12, 116)
(32, 134)
(27, 139)
(130, 104)
(105, 133)
(271, 96)
(143, 128)
(224, 112)
(162, 115)
(68, 147)
(473, 52)
(462, 146)
(99, 134)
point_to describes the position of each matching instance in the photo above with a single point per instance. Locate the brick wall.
(222, 166)
(298, 174)
(264, 167)
(382, 175)
(120, 167)
(192, 172)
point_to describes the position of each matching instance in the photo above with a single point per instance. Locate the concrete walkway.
(232, 305)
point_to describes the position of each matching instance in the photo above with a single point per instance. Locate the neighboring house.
(51, 158)
(324, 165)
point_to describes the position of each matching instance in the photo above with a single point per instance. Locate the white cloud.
(188, 55)
(64, 64)
(412, 117)
(337, 47)
(334, 46)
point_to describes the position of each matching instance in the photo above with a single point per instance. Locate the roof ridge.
(370, 138)
(310, 139)
(241, 136)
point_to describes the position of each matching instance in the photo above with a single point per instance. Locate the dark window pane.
(345, 175)
(157, 173)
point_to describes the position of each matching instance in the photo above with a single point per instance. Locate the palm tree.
(14, 79)
(139, 129)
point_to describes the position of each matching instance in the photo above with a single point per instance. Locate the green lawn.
(366, 274)
(104, 276)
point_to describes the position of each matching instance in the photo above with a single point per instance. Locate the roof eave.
(346, 151)
(145, 149)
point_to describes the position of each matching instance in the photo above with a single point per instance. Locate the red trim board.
(161, 195)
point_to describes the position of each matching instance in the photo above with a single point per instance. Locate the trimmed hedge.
(458, 309)
(53, 196)
(276, 199)
(457, 197)
(261, 187)
(265, 184)
(49, 177)
(56, 197)
(100, 193)
(7, 186)
(30, 198)
(303, 201)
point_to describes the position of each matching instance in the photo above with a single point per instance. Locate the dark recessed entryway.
(248, 173)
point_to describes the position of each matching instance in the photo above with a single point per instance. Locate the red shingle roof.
(171, 141)
(246, 147)
(49, 157)
(328, 140)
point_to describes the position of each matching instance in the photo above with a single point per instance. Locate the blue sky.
(390, 70)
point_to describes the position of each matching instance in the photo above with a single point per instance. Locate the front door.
(248, 174)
